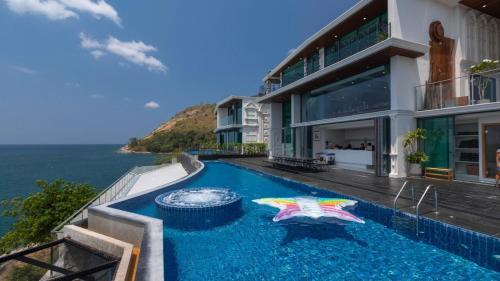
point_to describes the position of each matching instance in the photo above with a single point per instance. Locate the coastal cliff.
(190, 128)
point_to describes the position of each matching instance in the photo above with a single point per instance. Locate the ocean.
(98, 165)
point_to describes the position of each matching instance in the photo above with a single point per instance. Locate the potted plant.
(480, 81)
(415, 157)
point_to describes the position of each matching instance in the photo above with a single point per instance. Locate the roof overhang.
(229, 101)
(228, 127)
(490, 7)
(345, 23)
(459, 110)
(375, 55)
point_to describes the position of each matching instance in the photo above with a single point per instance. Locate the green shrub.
(410, 143)
(39, 213)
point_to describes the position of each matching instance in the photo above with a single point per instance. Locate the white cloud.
(23, 69)
(97, 54)
(132, 51)
(52, 9)
(152, 105)
(64, 9)
(97, 9)
(88, 42)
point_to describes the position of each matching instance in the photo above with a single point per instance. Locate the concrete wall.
(105, 244)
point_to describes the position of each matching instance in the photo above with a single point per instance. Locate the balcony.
(463, 93)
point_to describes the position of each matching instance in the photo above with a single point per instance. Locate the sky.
(100, 72)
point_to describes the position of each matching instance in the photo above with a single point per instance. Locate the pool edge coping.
(151, 258)
(406, 214)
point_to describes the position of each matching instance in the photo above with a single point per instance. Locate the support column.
(321, 58)
(400, 125)
(275, 147)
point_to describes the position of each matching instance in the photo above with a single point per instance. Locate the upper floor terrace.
(229, 112)
(357, 40)
(464, 94)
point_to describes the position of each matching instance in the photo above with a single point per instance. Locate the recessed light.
(364, 18)
(484, 6)
(336, 36)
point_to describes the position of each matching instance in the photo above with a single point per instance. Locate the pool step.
(403, 224)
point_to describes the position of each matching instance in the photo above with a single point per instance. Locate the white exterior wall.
(250, 121)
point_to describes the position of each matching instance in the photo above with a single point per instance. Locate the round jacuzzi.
(199, 208)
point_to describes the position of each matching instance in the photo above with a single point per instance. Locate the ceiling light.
(335, 35)
(364, 18)
(484, 6)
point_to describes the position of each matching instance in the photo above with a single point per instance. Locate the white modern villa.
(241, 120)
(386, 67)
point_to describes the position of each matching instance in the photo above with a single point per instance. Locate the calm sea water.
(98, 165)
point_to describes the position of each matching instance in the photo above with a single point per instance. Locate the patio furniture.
(439, 173)
(297, 163)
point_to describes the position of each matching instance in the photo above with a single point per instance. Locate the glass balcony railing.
(365, 36)
(466, 90)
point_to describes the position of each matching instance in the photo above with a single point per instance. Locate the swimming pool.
(253, 247)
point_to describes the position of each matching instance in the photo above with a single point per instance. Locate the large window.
(365, 36)
(293, 73)
(232, 136)
(286, 130)
(439, 141)
(365, 92)
(348, 45)
(234, 114)
(313, 63)
(332, 53)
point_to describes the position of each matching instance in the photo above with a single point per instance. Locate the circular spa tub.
(199, 208)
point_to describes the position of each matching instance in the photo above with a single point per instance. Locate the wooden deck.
(468, 205)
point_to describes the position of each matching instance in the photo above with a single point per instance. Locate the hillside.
(191, 128)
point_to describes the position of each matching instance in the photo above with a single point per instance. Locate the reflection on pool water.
(253, 247)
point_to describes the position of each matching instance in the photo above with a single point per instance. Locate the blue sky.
(83, 71)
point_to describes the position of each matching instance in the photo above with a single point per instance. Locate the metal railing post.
(417, 212)
(440, 95)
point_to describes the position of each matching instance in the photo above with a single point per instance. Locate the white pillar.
(400, 125)
(321, 58)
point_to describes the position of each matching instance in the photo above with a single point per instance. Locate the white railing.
(115, 191)
(465, 90)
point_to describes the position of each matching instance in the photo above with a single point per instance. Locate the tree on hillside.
(40, 212)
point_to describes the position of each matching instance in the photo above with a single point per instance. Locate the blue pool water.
(253, 247)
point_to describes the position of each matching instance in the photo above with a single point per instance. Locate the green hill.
(191, 128)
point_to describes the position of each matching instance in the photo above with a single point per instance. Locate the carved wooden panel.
(441, 69)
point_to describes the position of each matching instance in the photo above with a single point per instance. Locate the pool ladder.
(417, 207)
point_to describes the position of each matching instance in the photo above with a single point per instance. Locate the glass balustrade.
(466, 90)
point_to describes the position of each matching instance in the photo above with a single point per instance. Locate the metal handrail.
(417, 212)
(459, 77)
(401, 191)
(96, 198)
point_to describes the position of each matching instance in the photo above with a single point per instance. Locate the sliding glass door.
(439, 141)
